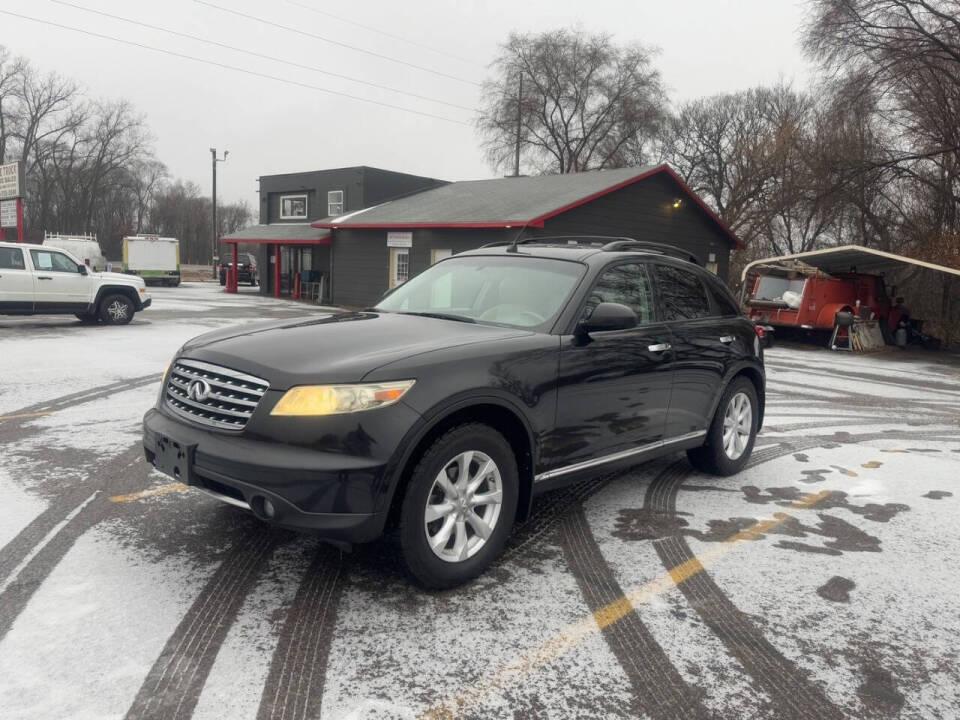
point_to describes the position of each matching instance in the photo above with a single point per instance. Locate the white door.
(16, 281)
(58, 281)
(399, 266)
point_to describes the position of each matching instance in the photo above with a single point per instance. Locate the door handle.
(659, 347)
(727, 338)
(44, 277)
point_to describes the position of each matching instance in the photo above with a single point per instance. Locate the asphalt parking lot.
(819, 583)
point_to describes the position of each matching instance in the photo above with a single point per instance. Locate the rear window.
(11, 259)
(682, 294)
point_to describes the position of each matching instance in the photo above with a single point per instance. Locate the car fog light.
(268, 508)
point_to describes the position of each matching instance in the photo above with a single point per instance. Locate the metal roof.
(850, 258)
(505, 202)
(282, 233)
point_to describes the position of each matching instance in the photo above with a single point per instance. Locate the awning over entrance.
(279, 234)
(850, 258)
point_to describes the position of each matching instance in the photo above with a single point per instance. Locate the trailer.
(82, 247)
(155, 259)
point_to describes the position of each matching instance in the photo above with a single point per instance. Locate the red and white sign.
(8, 213)
(11, 181)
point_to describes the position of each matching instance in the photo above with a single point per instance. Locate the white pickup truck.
(42, 280)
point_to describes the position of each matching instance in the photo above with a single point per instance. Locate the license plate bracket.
(174, 458)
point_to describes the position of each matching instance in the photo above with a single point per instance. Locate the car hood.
(118, 277)
(337, 348)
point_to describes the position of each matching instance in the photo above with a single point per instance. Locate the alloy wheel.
(737, 425)
(117, 310)
(463, 506)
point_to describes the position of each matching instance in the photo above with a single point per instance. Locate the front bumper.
(144, 304)
(340, 496)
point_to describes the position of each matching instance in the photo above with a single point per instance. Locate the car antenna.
(513, 245)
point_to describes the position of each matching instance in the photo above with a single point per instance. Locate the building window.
(334, 203)
(293, 207)
(399, 266)
(438, 254)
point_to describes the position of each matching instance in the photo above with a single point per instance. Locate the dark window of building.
(334, 203)
(293, 207)
(625, 284)
(11, 259)
(682, 294)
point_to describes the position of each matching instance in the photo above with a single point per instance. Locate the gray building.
(379, 239)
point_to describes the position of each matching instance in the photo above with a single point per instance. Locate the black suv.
(490, 377)
(246, 269)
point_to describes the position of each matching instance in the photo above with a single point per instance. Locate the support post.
(516, 158)
(276, 270)
(231, 284)
(19, 220)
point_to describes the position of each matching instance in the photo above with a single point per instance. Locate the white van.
(82, 247)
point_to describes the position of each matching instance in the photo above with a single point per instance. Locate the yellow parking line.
(25, 415)
(578, 631)
(162, 490)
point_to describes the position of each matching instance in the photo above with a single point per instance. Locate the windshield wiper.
(441, 316)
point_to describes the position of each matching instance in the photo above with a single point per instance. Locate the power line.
(234, 67)
(298, 31)
(313, 68)
(383, 32)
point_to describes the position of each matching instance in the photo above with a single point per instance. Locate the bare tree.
(584, 102)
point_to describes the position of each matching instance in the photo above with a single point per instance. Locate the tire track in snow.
(294, 687)
(659, 691)
(172, 687)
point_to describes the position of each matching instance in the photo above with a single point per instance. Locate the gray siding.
(644, 211)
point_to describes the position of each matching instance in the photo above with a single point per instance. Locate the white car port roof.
(847, 258)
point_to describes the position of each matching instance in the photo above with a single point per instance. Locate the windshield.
(771, 288)
(517, 291)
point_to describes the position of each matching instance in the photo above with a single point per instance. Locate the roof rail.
(597, 241)
(662, 248)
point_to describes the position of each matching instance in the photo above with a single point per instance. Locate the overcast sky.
(706, 46)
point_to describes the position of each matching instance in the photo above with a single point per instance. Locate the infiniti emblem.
(199, 390)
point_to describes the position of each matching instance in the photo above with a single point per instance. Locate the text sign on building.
(400, 239)
(8, 213)
(11, 181)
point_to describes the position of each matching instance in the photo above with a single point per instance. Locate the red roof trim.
(539, 221)
(325, 240)
(643, 176)
(371, 226)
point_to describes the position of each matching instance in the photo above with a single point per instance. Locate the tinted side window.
(627, 285)
(11, 259)
(682, 294)
(46, 260)
(724, 303)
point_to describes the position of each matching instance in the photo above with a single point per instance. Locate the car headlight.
(336, 399)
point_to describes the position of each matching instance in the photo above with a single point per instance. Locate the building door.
(399, 266)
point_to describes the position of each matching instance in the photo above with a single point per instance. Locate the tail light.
(761, 333)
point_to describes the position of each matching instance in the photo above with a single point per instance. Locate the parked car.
(246, 269)
(492, 376)
(42, 280)
(83, 247)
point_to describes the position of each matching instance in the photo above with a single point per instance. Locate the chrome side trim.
(622, 455)
(223, 498)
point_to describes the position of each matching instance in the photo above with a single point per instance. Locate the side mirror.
(609, 316)
(82, 269)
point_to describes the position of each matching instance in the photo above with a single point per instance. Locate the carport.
(860, 259)
(285, 245)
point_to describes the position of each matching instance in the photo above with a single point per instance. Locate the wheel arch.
(499, 414)
(126, 290)
(756, 376)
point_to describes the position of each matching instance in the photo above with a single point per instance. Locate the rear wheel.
(732, 433)
(116, 310)
(459, 506)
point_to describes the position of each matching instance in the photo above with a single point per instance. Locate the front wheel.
(459, 506)
(732, 433)
(116, 310)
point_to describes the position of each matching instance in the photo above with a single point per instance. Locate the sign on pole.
(11, 181)
(8, 213)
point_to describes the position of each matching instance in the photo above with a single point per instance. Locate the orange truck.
(793, 295)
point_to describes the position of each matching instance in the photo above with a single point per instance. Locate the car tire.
(116, 310)
(462, 552)
(737, 413)
(87, 318)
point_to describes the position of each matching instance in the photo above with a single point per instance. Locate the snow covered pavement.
(818, 583)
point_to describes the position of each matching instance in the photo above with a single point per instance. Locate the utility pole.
(516, 157)
(213, 247)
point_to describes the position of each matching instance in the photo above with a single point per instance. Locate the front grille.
(228, 404)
